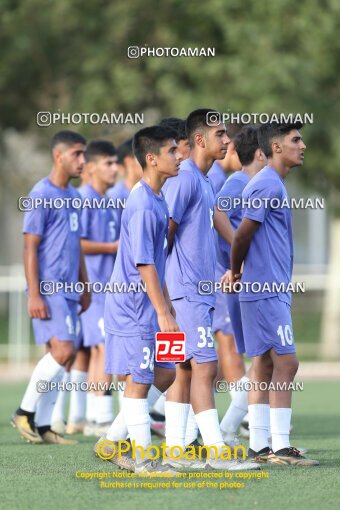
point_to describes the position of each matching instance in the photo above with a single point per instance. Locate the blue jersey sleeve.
(257, 203)
(142, 233)
(36, 218)
(178, 194)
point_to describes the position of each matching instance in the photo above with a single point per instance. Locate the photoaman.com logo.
(170, 347)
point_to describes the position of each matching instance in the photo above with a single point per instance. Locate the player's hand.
(228, 280)
(85, 301)
(167, 322)
(37, 308)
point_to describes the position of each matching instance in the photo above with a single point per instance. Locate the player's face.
(293, 149)
(169, 159)
(217, 141)
(184, 148)
(231, 162)
(72, 159)
(106, 170)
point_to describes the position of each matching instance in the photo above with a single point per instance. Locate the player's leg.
(58, 414)
(90, 415)
(59, 332)
(78, 377)
(104, 400)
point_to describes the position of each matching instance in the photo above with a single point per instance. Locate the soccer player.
(264, 243)
(178, 126)
(192, 260)
(133, 318)
(52, 255)
(230, 163)
(158, 413)
(229, 197)
(99, 244)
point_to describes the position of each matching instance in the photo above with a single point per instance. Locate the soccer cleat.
(51, 437)
(260, 457)
(197, 445)
(75, 428)
(154, 467)
(301, 450)
(59, 427)
(104, 448)
(231, 465)
(291, 457)
(26, 428)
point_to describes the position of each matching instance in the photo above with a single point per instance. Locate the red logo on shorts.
(170, 346)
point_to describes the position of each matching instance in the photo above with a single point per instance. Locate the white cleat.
(231, 465)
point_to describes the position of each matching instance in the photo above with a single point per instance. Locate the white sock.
(136, 414)
(45, 406)
(45, 370)
(236, 412)
(104, 409)
(78, 397)
(259, 423)
(90, 406)
(159, 405)
(118, 430)
(176, 417)
(209, 426)
(280, 427)
(191, 432)
(58, 413)
(153, 395)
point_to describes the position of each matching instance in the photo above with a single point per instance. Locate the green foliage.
(270, 56)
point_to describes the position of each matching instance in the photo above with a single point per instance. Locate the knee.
(64, 353)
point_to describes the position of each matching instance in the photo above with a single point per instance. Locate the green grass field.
(43, 477)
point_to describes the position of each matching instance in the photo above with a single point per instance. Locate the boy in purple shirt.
(99, 244)
(264, 243)
(52, 255)
(228, 199)
(132, 318)
(191, 260)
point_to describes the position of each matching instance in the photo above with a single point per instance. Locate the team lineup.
(169, 234)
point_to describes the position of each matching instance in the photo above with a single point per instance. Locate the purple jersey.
(230, 197)
(270, 255)
(59, 228)
(217, 176)
(143, 240)
(119, 194)
(98, 224)
(190, 198)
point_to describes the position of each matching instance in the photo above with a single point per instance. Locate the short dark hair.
(150, 139)
(123, 150)
(266, 133)
(197, 121)
(177, 125)
(233, 130)
(246, 144)
(67, 137)
(97, 148)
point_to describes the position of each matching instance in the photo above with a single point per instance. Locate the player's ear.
(199, 140)
(150, 159)
(277, 147)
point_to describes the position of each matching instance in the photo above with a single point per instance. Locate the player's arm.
(240, 246)
(168, 300)
(85, 299)
(149, 275)
(171, 233)
(223, 226)
(37, 307)
(95, 248)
